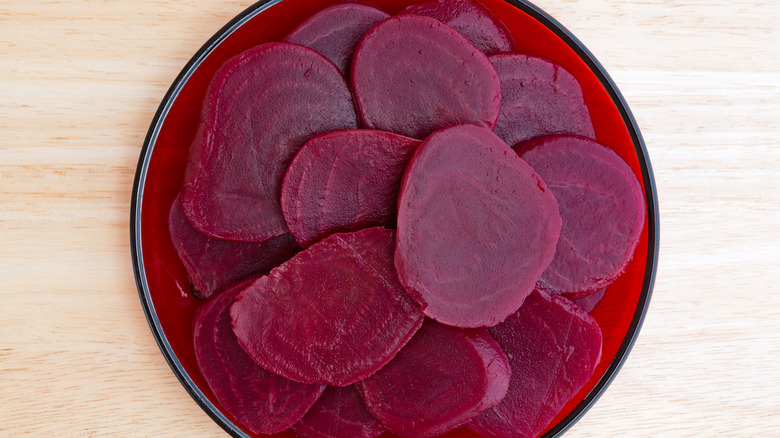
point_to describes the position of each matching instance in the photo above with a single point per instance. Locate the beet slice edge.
(339, 413)
(213, 264)
(259, 400)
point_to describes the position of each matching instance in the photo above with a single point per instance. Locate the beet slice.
(438, 382)
(553, 347)
(212, 264)
(260, 108)
(335, 313)
(602, 207)
(336, 31)
(261, 401)
(472, 20)
(413, 75)
(476, 227)
(344, 181)
(590, 302)
(339, 413)
(538, 97)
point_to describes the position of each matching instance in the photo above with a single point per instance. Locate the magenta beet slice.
(472, 20)
(602, 207)
(438, 382)
(260, 401)
(553, 347)
(344, 181)
(339, 413)
(476, 227)
(336, 31)
(335, 313)
(590, 302)
(538, 97)
(212, 264)
(260, 108)
(413, 75)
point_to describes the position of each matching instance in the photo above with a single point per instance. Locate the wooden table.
(79, 84)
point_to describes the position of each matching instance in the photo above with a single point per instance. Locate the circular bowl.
(162, 281)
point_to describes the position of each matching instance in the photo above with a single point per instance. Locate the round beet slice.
(335, 313)
(212, 264)
(260, 108)
(344, 181)
(472, 20)
(260, 401)
(336, 31)
(538, 97)
(553, 347)
(476, 227)
(339, 413)
(602, 207)
(438, 382)
(413, 75)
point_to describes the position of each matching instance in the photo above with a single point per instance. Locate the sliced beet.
(212, 264)
(472, 20)
(438, 382)
(602, 207)
(260, 108)
(339, 413)
(413, 75)
(590, 302)
(476, 227)
(538, 97)
(553, 347)
(333, 314)
(336, 31)
(260, 401)
(344, 181)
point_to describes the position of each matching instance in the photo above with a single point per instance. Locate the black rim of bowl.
(525, 6)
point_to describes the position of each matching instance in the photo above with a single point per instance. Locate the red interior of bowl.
(167, 279)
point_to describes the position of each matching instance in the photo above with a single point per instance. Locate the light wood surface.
(79, 84)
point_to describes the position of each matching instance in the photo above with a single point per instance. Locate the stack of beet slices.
(388, 218)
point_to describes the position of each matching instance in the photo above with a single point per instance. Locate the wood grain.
(79, 84)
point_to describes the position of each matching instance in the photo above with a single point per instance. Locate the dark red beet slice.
(553, 347)
(472, 20)
(476, 227)
(339, 413)
(413, 75)
(602, 207)
(335, 313)
(212, 264)
(590, 302)
(344, 181)
(438, 382)
(261, 401)
(261, 107)
(336, 30)
(538, 97)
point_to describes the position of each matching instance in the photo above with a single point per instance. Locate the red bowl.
(162, 281)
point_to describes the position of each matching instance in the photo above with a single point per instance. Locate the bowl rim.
(651, 197)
